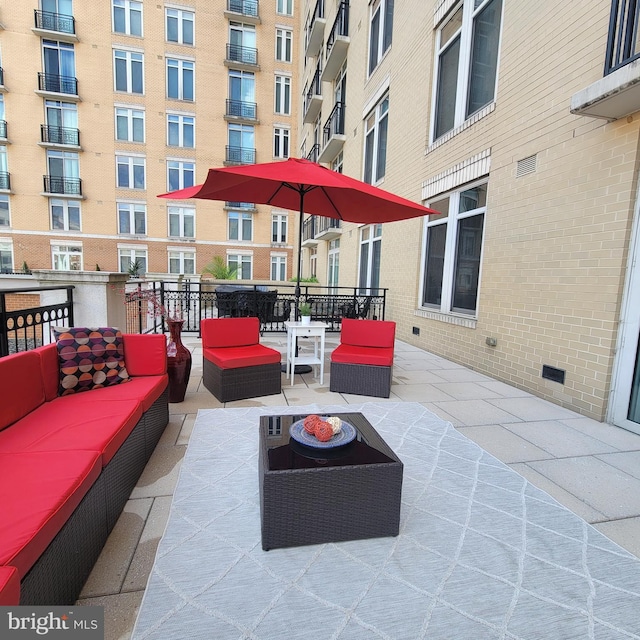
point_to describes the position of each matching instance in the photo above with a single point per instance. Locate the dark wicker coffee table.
(312, 496)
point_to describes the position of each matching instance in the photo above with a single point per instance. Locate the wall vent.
(526, 166)
(551, 373)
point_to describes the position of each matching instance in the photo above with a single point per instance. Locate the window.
(242, 43)
(333, 265)
(127, 17)
(279, 227)
(284, 39)
(6, 257)
(66, 257)
(284, 7)
(241, 143)
(130, 172)
(181, 130)
(129, 124)
(65, 214)
(313, 263)
(128, 71)
(132, 218)
(182, 222)
(180, 174)
(5, 218)
(63, 169)
(283, 95)
(370, 251)
(280, 142)
(375, 146)
(380, 32)
(179, 26)
(129, 257)
(453, 249)
(240, 226)
(62, 122)
(180, 82)
(59, 66)
(182, 262)
(4, 168)
(278, 267)
(467, 62)
(242, 264)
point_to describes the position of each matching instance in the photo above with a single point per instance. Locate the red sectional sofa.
(68, 465)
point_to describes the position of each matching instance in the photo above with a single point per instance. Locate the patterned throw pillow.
(89, 358)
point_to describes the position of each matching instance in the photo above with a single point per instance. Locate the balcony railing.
(314, 154)
(622, 43)
(245, 7)
(309, 229)
(313, 98)
(340, 25)
(315, 30)
(242, 109)
(1, 77)
(60, 22)
(325, 224)
(5, 180)
(60, 184)
(334, 124)
(58, 84)
(3, 129)
(245, 55)
(337, 43)
(240, 205)
(59, 135)
(240, 155)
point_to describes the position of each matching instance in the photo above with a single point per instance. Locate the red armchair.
(363, 361)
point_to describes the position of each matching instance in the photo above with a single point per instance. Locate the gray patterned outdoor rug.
(481, 552)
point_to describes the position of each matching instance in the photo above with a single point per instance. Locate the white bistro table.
(297, 330)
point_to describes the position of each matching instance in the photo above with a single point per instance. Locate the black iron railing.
(309, 228)
(55, 22)
(240, 205)
(245, 55)
(3, 129)
(318, 12)
(59, 184)
(22, 329)
(340, 26)
(314, 89)
(240, 155)
(242, 109)
(245, 7)
(5, 180)
(57, 84)
(622, 42)
(314, 154)
(1, 77)
(334, 124)
(59, 135)
(324, 224)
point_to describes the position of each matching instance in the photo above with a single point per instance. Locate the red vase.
(178, 362)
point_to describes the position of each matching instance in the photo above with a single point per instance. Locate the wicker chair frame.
(361, 379)
(244, 382)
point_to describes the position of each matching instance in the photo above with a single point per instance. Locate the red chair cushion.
(367, 333)
(38, 493)
(76, 422)
(145, 354)
(237, 357)
(21, 386)
(348, 354)
(9, 587)
(229, 332)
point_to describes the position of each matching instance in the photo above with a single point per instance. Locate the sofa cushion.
(236, 357)
(38, 493)
(367, 333)
(145, 354)
(89, 358)
(9, 587)
(377, 356)
(75, 422)
(21, 386)
(229, 332)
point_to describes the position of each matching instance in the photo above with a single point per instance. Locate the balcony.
(313, 98)
(314, 33)
(3, 130)
(59, 136)
(309, 232)
(2, 87)
(239, 155)
(59, 185)
(328, 228)
(333, 137)
(337, 44)
(241, 110)
(314, 154)
(58, 25)
(5, 181)
(52, 85)
(238, 56)
(246, 206)
(245, 9)
(617, 94)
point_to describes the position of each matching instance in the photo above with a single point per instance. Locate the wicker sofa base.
(361, 379)
(241, 383)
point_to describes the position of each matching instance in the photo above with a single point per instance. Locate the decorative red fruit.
(324, 432)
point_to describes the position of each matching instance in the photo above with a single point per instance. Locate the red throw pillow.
(89, 358)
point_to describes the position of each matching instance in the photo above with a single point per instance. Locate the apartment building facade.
(519, 123)
(106, 105)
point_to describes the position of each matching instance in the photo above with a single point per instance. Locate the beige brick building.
(497, 114)
(105, 105)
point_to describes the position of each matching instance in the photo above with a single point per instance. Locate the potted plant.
(305, 312)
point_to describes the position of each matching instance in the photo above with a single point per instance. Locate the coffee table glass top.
(284, 453)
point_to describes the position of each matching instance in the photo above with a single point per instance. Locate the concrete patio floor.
(590, 467)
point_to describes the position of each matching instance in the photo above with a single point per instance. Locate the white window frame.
(281, 142)
(284, 7)
(380, 33)
(238, 260)
(284, 44)
(181, 261)
(134, 211)
(6, 246)
(5, 205)
(182, 217)
(279, 227)
(379, 136)
(130, 116)
(131, 254)
(130, 58)
(129, 7)
(66, 205)
(282, 95)
(184, 170)
(368, 272)
(182, 122)
(244, 222)
(182, 67)
(180, 16)
(278, 267)
(66, 256)
(131, 162)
